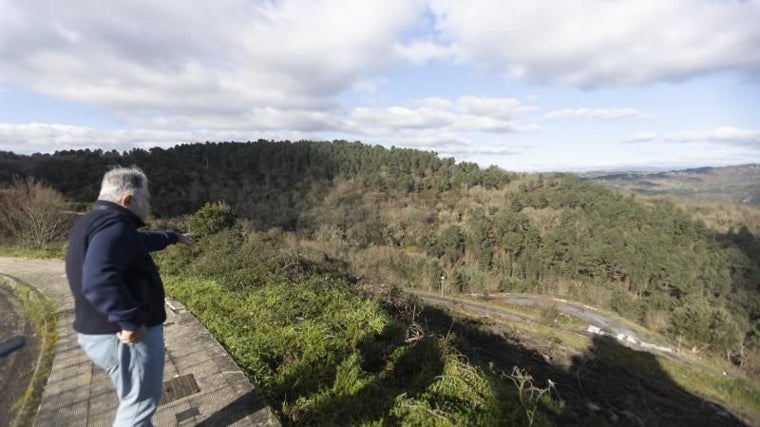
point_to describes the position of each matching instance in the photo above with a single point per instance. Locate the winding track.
(606, 325)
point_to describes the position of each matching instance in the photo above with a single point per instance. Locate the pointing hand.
(186, 239)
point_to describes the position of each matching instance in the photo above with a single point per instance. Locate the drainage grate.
(179, 387)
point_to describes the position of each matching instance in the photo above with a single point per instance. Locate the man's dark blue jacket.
(115, 283)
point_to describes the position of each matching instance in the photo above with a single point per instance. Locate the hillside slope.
(731, 184)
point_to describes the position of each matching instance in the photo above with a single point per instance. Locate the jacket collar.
(104, 204)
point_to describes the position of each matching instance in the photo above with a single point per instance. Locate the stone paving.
(202, 384)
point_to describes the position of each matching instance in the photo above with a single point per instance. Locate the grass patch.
(736, 392)
(740, 395)
(324, 354)
(49, 252)
(41, 314)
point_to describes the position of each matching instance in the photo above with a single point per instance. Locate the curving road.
(587, 314)
(598, 323)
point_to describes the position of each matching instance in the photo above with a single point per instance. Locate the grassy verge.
(735, 392)
(41, 313)
(50, 252)
(324, 354)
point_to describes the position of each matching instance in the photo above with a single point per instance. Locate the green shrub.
(460, 395)
(211, 219)
(704, 326)
(549, 315)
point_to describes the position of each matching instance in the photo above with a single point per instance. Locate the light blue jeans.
(136, 371)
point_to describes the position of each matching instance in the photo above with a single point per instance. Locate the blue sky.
(528, 85)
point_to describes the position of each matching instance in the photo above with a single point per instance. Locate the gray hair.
(120, 181)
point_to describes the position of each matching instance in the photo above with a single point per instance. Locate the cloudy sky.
(528, 85)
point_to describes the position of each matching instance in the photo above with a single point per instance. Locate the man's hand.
(131, 337)
(185, 239)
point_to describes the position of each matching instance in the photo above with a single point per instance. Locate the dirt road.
(599, 323)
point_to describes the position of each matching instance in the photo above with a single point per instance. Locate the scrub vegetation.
(324, 351)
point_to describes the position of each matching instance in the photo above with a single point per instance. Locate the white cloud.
(504, 108)
(45, 137)
(736, 136)
(723, 135)
(447, 143)
(219, 57)
(460, 126)
(465, 126)
(591, 43)
(641, 137)
(421, 51)
(433, 141)
(728, 135)
(597, 114)
(321, 46)
(400, 118)
(467, 114)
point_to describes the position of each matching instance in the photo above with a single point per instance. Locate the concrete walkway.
(202, 384)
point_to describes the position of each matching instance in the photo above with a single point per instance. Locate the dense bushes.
(211, 219)
(321, 351)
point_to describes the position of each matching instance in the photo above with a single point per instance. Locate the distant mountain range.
(730, 184)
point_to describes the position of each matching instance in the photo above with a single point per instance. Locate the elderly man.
(118, 294)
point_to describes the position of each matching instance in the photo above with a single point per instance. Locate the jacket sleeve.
(157, 240)
(110, 251)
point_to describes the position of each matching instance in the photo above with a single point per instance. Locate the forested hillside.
(270, 183)
(409, 218)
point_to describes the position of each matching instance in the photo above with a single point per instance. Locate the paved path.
(202, 385)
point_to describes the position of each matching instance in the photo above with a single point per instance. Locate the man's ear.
(125, 200)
